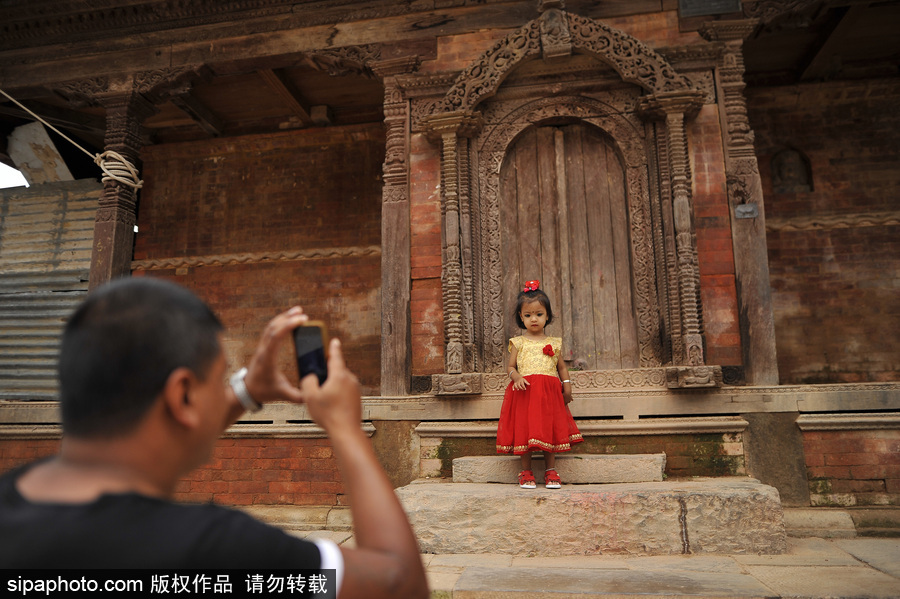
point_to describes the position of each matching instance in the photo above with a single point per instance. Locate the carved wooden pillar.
(396, 353)
(452, 129)
(748, 226)
(126, 110)
(673, 108)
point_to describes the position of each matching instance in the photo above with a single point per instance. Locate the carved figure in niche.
(790, 172)
(534, 414)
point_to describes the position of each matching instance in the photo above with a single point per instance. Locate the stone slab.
(810, 552)
(519, 583)
(717, 516)
(818, 522)
(573, 469)
(827, 582)
(881, 554)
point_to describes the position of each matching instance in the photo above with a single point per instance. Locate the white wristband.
(567, 381)
(240, 391)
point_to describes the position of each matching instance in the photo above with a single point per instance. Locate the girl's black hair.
(530, 296)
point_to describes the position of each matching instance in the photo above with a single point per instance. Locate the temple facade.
(706, 191)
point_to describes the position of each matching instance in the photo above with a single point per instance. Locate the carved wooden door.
(564, 221)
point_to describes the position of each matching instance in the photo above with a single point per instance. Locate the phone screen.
(309, 343)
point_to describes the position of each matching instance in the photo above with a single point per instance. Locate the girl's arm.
(563, 371)
(519, 382)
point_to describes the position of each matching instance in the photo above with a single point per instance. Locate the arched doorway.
(564, 221)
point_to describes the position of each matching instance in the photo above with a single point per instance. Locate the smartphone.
(309, 343)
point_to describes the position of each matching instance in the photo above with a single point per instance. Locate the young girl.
(534, 415)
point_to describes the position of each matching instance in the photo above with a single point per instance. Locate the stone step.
(572, 468)
(709, 516)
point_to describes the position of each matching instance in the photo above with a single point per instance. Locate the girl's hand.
(567, 396)
(521, 384)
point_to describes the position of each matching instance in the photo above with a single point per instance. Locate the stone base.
(577, 469)
(713, 516)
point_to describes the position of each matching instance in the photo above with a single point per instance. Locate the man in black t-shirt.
(143, 399)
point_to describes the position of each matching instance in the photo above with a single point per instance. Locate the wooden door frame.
(487, 152)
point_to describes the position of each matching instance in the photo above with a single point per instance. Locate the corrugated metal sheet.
(46, 235)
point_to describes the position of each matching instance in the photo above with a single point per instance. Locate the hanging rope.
(114, 166)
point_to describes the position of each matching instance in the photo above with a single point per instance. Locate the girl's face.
(534, 315)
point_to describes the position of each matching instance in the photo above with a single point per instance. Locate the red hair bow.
(532, 285)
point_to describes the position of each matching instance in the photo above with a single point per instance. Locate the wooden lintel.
(88, 125)
(287, 92)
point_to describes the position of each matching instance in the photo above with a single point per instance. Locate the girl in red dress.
(534, 415)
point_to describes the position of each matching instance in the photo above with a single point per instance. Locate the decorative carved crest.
(634, 61)
(348, 60)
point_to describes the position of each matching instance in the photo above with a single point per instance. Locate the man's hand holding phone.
(309, 346)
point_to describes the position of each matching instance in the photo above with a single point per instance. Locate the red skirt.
(536, 418)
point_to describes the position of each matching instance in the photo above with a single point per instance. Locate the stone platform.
(709, 516)
(577, 468)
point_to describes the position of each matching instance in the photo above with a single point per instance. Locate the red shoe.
(526, 479)
(551, 479)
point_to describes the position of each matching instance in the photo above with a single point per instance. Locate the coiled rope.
(115, 167)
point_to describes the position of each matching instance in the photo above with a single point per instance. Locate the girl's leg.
(551, 478)
(526, 477)
(549, 460)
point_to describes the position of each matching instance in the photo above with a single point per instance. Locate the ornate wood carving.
(767, 10)
(828, 222)
(255, 257)
(632, 60)
(674, 98)
(450, 129)
(511, 119)
(693, 377)
(555, 39)
(456, 384)
(356, 60)
(114, 225)
(671, 377)
(674, 108)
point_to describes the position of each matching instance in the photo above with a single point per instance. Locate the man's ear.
(177, 397)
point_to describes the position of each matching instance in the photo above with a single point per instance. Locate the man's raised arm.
(386, 562)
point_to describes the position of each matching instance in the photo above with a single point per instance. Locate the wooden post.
(116, 214)
(396, 351)
(748, 221)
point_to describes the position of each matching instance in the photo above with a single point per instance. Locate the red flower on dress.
(548, 350)
(531, 285)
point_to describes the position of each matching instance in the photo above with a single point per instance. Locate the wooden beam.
(198, 111)
(825, 62)
(280, 84)
(89, 126)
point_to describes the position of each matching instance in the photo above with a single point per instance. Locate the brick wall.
(241, 472)
(847, 468)
(17, 452)
(426, 304)
(715, 252)
(266, 472)
(258, 197)
(834, 257)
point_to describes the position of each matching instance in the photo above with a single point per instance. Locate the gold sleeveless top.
(531, 358)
